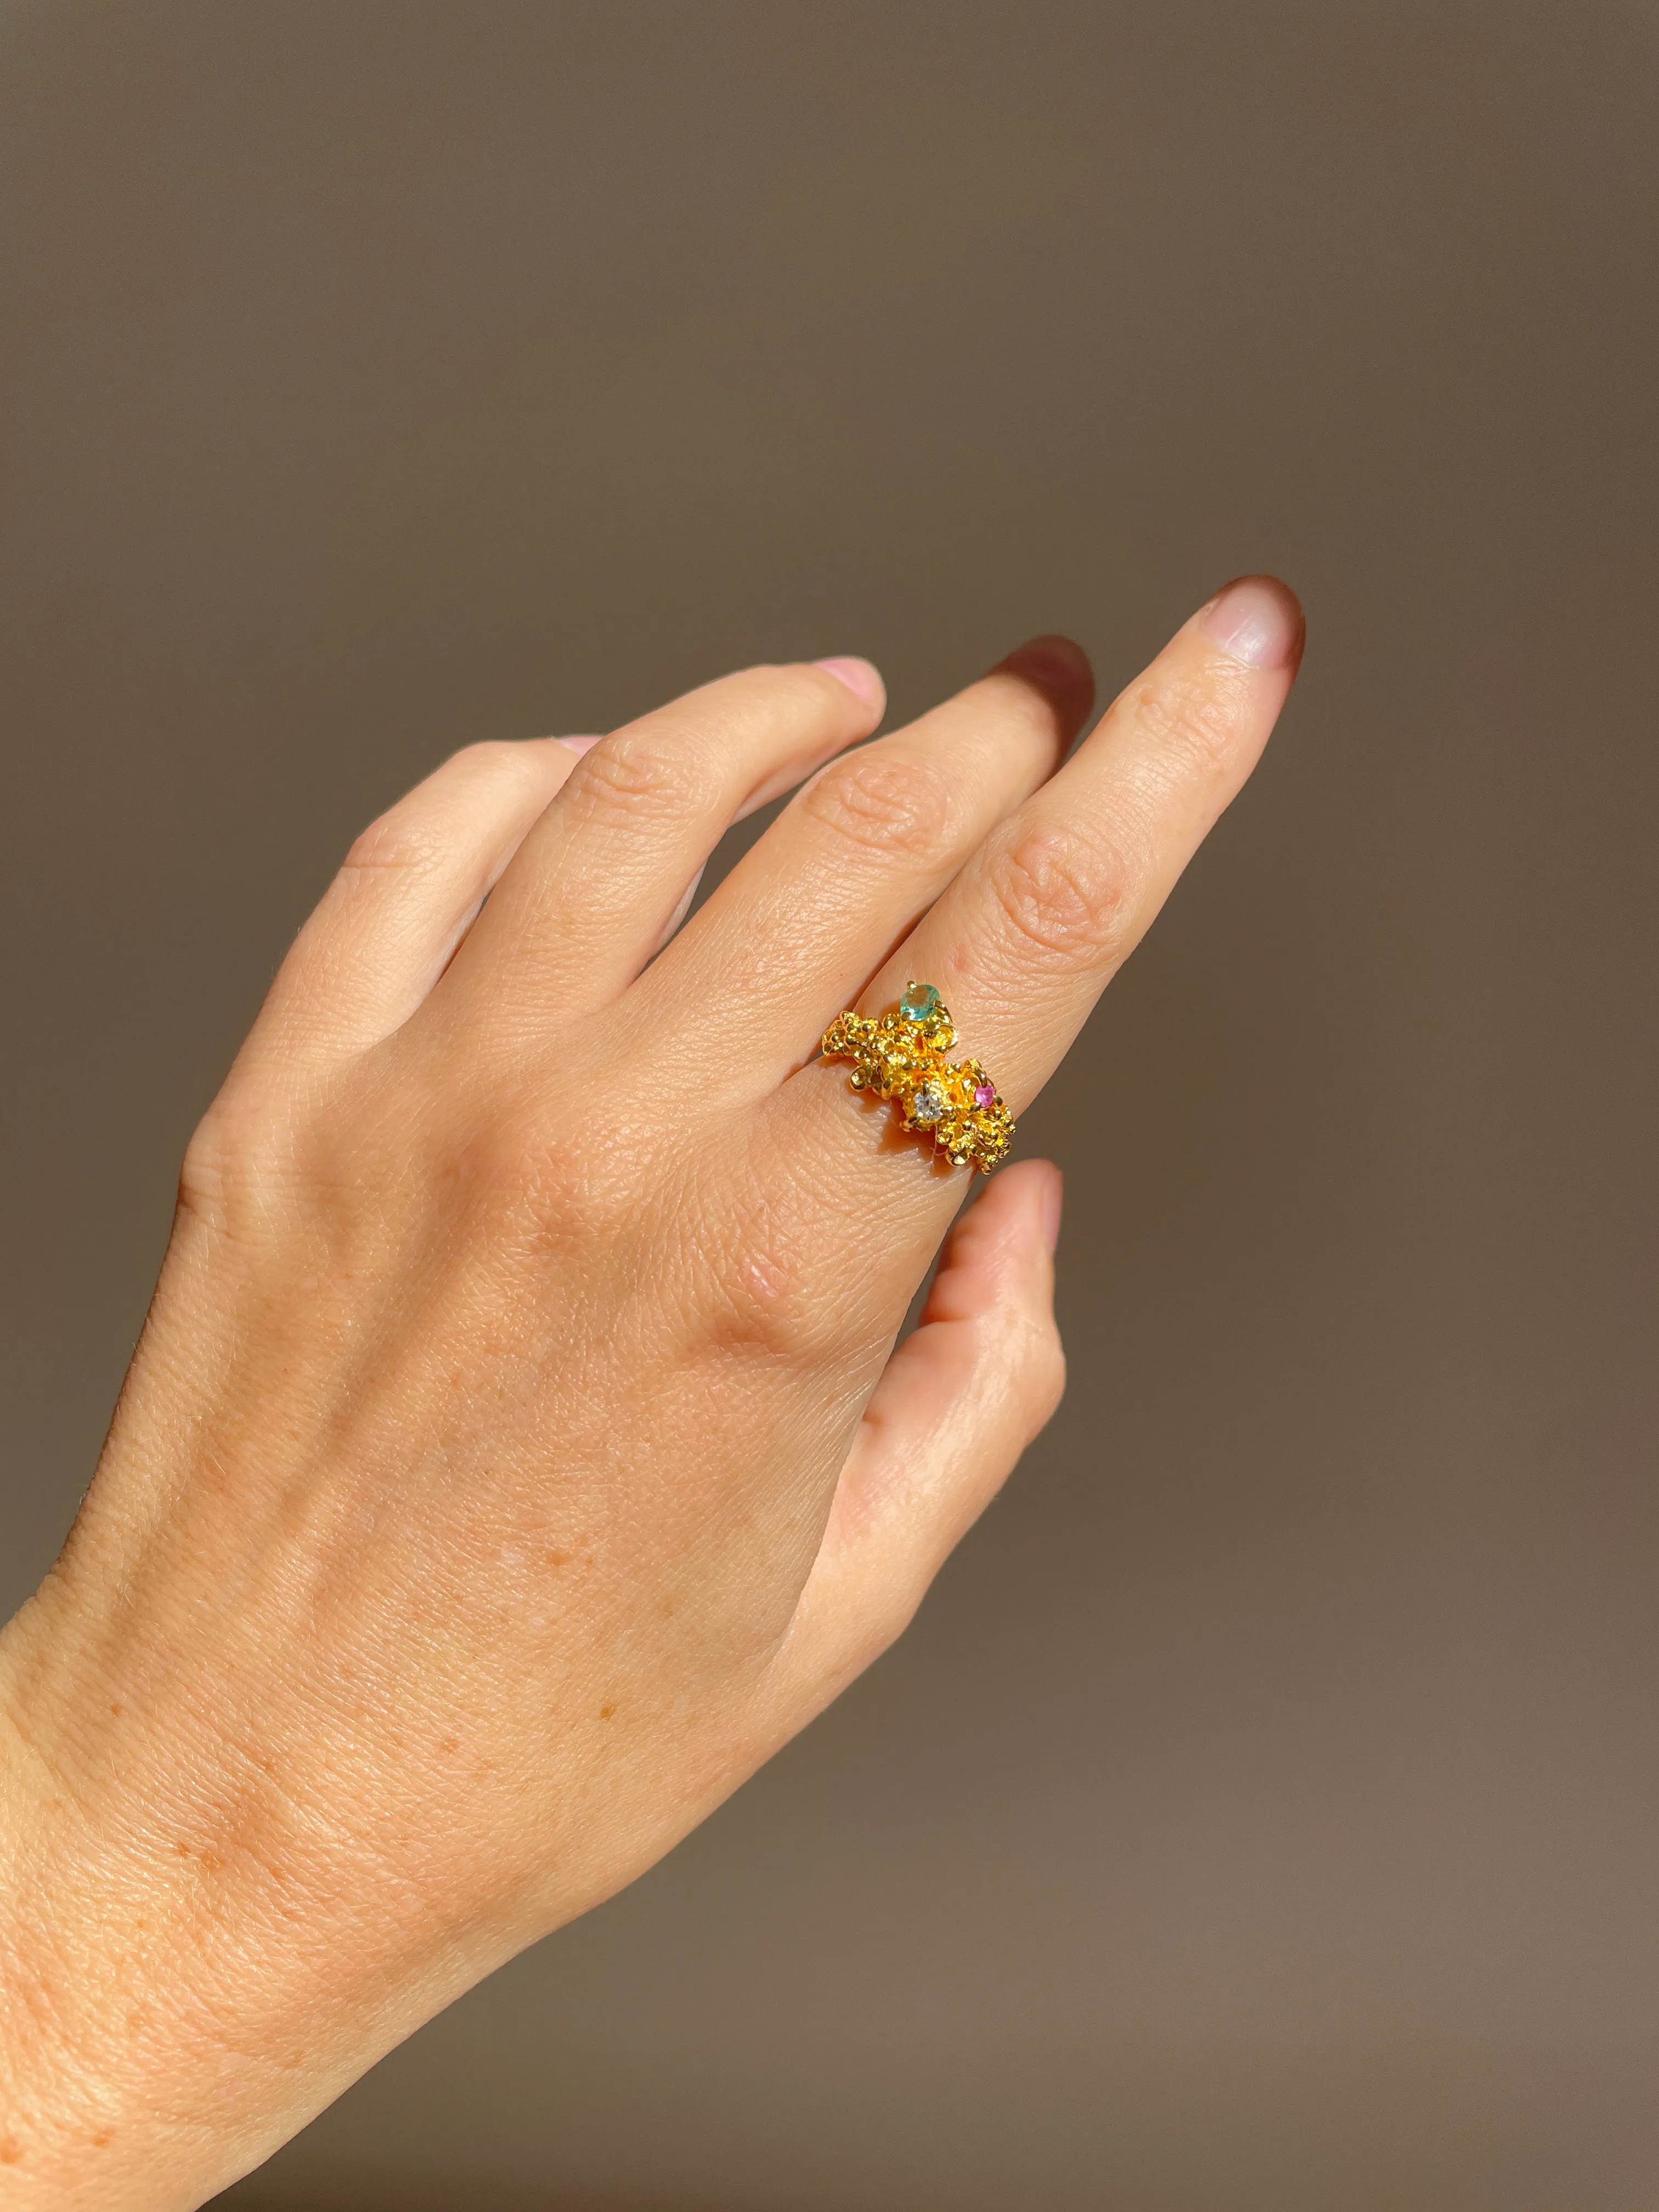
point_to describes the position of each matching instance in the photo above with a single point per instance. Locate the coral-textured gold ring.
(902, 1056)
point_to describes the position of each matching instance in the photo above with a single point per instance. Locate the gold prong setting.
(903, 1055)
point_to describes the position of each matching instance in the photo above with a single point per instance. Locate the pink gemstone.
(984, 1093)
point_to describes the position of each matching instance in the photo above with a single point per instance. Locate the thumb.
(957, 1404)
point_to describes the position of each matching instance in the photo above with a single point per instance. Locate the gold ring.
(902, 1055)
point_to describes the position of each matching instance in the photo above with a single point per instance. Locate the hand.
(516, 1455)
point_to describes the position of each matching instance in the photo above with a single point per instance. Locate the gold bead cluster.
(902, 1055)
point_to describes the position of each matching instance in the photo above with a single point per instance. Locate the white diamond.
(928, 1104)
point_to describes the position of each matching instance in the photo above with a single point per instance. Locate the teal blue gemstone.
(920, 1003)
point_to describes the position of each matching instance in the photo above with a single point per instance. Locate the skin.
(516, 1454)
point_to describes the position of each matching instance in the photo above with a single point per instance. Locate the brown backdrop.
(1263, 1813)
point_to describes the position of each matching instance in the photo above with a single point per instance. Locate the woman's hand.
(516, 1454)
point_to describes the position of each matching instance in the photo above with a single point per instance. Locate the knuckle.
(487, 756)
(746, 1247)
(882, 803)
(209, 1172)
(494, 760)
(753, 1304)
(554, 1189)
(1063, 897)
(636, 775)
(1196, 721)
(1044, 1379)
(551, 1169)
(398, 840)
(416, 833)
(236, 1154)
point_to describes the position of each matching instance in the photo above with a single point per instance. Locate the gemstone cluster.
(902, 1055)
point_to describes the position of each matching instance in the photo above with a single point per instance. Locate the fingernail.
(580, 745)
(1259, 621)
(860, 678)
(1053, 1201)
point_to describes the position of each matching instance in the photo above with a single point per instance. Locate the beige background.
(1263, 1813)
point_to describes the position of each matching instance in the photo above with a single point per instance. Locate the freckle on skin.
(11, 2150)
(558, 1559)
(606, 1712)
(101, 2141)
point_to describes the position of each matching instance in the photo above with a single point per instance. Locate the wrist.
(192, 1963)
(121, 2086)
(51, 2112)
